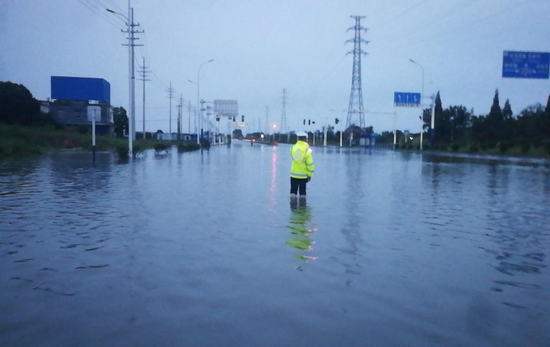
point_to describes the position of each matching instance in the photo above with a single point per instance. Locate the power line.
(100, 14)
(426, 22)
(406, 11)
(469, 24)
(115, 5)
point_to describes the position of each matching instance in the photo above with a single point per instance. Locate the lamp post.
(198, 90)
(131, 44)
(421, 109)
(196, 111)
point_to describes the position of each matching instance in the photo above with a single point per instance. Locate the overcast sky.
(261, 47)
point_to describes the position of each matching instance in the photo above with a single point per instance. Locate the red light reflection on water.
(273, 187)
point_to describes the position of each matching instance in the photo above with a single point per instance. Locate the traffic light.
(304, 122)
(242, 118)
(217, 118)
(309, 122)
(234, 118)
(336, 120)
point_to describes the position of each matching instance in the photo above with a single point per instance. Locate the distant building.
(71, 97)
(159, 135)
(44, 106)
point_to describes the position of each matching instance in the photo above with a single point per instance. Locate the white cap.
(301, 134)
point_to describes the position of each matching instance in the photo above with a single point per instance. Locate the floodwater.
(208, 249)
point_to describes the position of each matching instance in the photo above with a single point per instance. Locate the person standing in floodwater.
(302, 165)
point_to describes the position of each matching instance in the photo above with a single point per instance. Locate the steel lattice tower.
(356, 94)
(284, 127)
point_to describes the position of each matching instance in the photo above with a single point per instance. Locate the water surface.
(208, 249)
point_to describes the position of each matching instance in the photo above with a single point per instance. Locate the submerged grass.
(19, 141)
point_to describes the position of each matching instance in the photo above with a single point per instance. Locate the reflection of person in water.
(300, 229)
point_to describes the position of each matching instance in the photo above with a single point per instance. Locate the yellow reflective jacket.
(302, 162)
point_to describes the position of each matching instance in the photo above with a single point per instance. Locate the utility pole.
(131, 31)
(189, 123)
(170, 95)
(180, 109)
(356, 94)
(143, 71)
(283, 115)
(432, 124)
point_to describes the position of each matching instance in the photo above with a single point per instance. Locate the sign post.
(93, 112)
(401, 99)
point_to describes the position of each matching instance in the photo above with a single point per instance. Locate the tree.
(120, 120)
(238, 134)
(496, 112)
(356, 130)
(438, 112)
(494, 121)
(369, 130)
(17, 105)
(438, 105)
(507, 110)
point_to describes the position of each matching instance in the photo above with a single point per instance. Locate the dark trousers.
(296, 183)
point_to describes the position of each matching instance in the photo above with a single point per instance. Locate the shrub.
(473, 149)
(82, 129)
(159, 147)
(442, 147)
(137, 150)
(503, 146)
(186, 147)
(409, 146)
(487, 145)
(205, 144)
(525, 147)
(546, 145)
(122, 152)
(455, 147)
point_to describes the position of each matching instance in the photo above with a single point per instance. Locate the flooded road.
(208, 249)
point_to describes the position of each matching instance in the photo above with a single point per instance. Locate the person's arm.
(309, 164)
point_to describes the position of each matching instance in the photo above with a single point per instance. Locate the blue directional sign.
(525, 64)
(407, 99)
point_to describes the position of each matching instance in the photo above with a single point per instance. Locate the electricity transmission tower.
(283, 114)
(267, 120)
(143, 70)
(356, 94)
(170, 95)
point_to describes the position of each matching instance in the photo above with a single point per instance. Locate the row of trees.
(457, 124)
(18, 106)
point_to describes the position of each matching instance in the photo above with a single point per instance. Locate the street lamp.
(421, 109)
(196, 111)
(198, 90)
(131, 118)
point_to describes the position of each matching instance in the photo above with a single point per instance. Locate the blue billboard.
(525, 64)
(80, 88)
